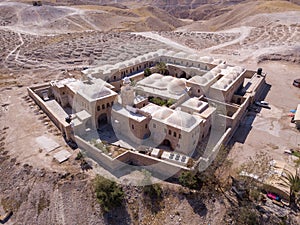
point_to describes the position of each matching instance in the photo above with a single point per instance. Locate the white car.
(262, 104)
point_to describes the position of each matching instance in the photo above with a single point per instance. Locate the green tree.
(161, 68)
(292, 181)
(109, 194)
(147, 72)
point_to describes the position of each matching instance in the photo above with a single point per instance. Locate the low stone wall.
(61, 125)
(161, 168)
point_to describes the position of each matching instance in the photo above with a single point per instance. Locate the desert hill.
(62, 19)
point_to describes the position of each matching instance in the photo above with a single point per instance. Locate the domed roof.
(148, 80)
(180, 55)
(177, 87)
(181, 119)
(193, 57)
(95, 93)
(216, 70)
(163, 113)
(222, 66)
(160, 83)
(237, 69)
(167, 78)
(199, 79)
(149, 56)
(232, 75)
(170, 53)
(107, 67)
(206, 59)
(156, 76)
(209, 76)
(194, 102)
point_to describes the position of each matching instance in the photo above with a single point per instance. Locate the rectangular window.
(146, 126)
(179, 136)
(107, 105)
(103, 106)
(174, 134)
(132, 126)
(170, 132)
(98, 108)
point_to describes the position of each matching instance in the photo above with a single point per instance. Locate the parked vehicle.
(296, 83)
(262, 104)
(273, 196)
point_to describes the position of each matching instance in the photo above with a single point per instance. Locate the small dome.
(160, 83)
(207, 59)
(171, 53)
(167, 78)
(222, 66)
(182, 119)
(156, 76)
(148, 80)
(209, 76)
(193, 57)
(177, 87)
(199, 79)
(126, 80)
(216, 70)
(180, 55)
(194, 102)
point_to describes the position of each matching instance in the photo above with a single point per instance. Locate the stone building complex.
(167, 114)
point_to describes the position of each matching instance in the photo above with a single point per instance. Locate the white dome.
(177, 87)
(170, 53)
(216, 70)
(160, 83)
(209, 76)
(148, 80)
(193, 57)
(182, 119)
(167, 78)
(163, 113)
(222, 66)
(199, 79)
(194, 102)
(180, 55)
(206, 59)
(156, 76)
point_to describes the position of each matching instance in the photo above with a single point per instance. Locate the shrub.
(153, 191)
(187, 179)
(109, 194)
(79, 156)
(147, 72)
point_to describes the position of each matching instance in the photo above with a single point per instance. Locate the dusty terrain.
(54, 42)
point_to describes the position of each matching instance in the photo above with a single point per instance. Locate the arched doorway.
(182, 74)
(166, 145)
(102, 120)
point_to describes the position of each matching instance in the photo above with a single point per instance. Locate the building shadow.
(243, 130)
(197, 204)
(118, 216)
